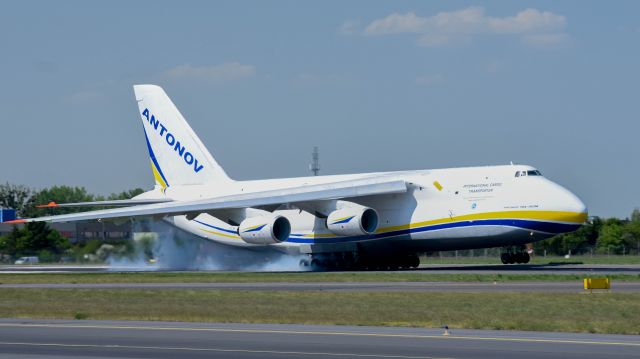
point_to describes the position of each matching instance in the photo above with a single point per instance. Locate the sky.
(377, 85)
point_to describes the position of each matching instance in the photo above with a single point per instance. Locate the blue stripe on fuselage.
(547, 227)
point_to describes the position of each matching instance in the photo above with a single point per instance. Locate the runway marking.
(355, 334)
(116, 346)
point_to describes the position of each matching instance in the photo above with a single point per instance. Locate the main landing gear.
(512, 256)
(351, 261)
(329, 261)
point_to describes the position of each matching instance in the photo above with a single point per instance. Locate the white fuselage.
(443, 209)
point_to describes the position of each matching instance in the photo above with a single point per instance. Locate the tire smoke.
(174, 250)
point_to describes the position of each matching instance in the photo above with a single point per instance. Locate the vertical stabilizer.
(178, 157)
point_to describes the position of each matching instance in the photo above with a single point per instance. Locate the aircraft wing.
(311, 193)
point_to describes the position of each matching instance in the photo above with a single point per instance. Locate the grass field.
(250, 277)
(594, 313)
(539, 260)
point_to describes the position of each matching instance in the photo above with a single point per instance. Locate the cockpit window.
(528, 173)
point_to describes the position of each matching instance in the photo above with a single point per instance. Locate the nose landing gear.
(512, 256)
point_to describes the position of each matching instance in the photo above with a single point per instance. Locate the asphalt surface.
(124, 339)
(546, 287)
(54, 268)
(554, 268)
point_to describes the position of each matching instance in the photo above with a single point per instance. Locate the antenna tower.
(315, 161)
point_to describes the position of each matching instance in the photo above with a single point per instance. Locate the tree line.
(25, 200)
(37, 238)
(597, 236)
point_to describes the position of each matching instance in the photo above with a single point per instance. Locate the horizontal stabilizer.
(14, 221)
(112, 203)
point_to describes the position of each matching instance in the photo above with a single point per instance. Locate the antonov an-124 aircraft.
(359, 221)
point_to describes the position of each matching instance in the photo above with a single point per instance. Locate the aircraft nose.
(573, 203)
(576, 211)
(566, 201)
(579, 206)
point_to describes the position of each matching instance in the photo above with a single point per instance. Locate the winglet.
(15, 221)
(48, 205)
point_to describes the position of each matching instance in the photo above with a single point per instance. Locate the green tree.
(68, 194)
(126, 194)
(38, 236)
(8, 242)
(580, 241)
(631, 233)
(14, 196)
(611, 239)
(57, 194)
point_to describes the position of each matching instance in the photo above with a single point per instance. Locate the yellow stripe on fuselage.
(551, 216)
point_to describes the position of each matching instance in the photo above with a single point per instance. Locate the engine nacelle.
(353, 221)
(269, 229)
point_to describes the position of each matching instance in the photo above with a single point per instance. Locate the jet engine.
(353, 221)
(268, 229)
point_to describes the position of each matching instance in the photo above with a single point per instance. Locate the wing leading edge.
(321, 192)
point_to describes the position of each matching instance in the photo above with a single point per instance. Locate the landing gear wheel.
(511, 257)
(516, 257)
(414, 261)
(315, 264)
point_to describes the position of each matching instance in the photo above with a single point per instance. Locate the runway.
(559, 268)
(124, 339)
(553, 268)
(470, 287)
(53, 268)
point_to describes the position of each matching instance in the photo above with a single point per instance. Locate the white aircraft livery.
(359, 221)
